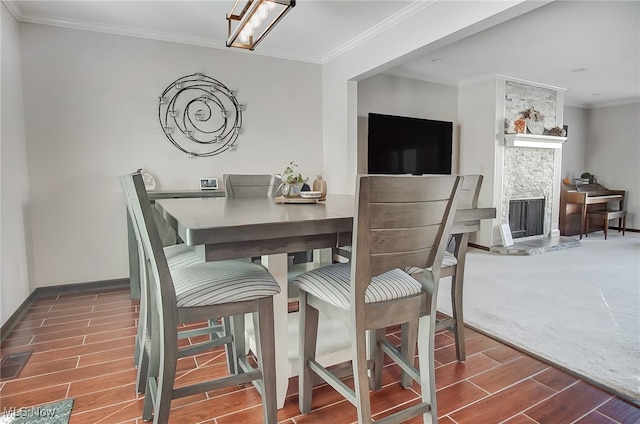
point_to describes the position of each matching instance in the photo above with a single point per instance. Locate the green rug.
(52, 413)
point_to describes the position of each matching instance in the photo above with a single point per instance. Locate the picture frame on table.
(208, 183)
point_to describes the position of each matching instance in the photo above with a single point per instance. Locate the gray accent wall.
(14, 203)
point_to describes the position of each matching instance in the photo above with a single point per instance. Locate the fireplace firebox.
(526, 217)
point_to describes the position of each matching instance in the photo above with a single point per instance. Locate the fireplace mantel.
(532, 140)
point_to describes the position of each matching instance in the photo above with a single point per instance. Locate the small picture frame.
(208, 183)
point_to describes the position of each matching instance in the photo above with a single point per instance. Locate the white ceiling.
(543, 45)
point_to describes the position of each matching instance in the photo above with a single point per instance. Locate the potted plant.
(292, 181)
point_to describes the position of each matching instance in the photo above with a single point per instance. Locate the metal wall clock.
(200, 115)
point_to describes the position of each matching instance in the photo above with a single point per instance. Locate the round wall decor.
(200, 115)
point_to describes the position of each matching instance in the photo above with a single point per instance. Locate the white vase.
(535, 127)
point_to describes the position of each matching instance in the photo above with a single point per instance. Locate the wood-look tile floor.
(83, 348)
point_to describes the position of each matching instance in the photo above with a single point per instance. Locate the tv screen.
(403, 145)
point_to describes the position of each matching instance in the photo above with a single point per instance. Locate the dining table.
(231, 228)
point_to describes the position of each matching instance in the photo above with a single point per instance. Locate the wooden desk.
(134, 262)
(240, 228)
(575, 204)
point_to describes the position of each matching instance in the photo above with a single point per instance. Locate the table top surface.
(200, 220)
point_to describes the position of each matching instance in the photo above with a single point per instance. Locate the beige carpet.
(578, 308)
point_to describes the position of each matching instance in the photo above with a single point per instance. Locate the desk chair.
(197, 293)
(453, 266)
(400, 221)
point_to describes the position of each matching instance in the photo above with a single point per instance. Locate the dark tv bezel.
(374, 147)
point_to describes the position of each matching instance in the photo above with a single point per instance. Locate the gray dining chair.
(400, 221)
(199, 293)
(453, 266)
(251, 185)
(178, 256)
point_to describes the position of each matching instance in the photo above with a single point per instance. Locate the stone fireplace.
(530, 172)
(531, 164)
(515, 166)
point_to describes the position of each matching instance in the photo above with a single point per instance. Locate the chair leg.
(426, 333)
(361, 376)
(141, 357)
(457, 309)
(587, 225)
(377, 357)
(624, 224)
(152, 371)
(307, 350)
(606, 227)
(237, 349)
(409, 335)
(263, 325)
(166, 379)
(143, 370)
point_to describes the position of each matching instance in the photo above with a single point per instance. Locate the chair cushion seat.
(331, 284)
(181, 255)
(447, 260)
(214, 283)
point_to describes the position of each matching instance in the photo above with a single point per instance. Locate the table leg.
(277, 266)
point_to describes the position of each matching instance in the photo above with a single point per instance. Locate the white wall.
(14, 207)
(435, 24)
(574, 149)
(479, 148)
(393, 95)
(91, 104)
(613, 152)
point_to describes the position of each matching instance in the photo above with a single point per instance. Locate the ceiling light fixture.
(578, 70)
(255, 20)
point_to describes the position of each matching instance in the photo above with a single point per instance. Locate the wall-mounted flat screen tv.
(403, 145)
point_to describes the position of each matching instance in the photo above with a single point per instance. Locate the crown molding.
(13, 7)
(391, 21)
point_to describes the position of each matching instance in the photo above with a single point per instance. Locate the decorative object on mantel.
(255, 20)
(520, 126)
(558, 132)
(203, 112)
(292, 181)
(534, 120)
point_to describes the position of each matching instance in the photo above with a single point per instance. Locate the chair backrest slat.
(247, 185)
(401, 221)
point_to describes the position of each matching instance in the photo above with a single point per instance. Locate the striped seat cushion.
(181, 255)
(331, 284)
(213, 283)
(447, 260)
